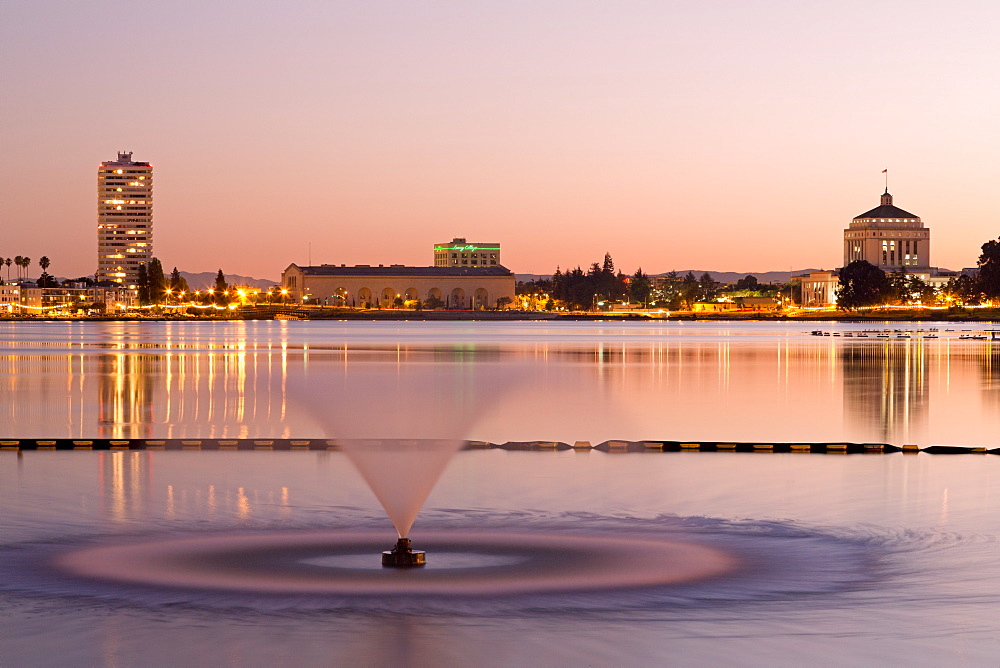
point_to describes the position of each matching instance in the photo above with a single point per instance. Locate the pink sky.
(734, 136)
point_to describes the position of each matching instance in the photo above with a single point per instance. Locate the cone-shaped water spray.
(400, 426)
(401, 472)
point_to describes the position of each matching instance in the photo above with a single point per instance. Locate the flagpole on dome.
(886, 172)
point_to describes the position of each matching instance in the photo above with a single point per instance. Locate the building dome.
(886, 210)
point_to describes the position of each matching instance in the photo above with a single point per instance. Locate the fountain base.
(403, 556)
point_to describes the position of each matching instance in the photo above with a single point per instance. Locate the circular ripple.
(333, 563)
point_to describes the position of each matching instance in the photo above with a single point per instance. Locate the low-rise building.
(28, 298)
(818, 288)
(365, 286)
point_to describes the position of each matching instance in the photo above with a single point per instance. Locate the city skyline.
(727, 137)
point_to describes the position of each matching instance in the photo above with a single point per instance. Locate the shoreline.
(894, 315)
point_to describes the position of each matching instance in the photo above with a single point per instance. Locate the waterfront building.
(28, 298)
(124, 219)
(364, 286)
(889, 238)
(460, 253)
(818, 288)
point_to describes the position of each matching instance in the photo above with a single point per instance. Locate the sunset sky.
(732, 136)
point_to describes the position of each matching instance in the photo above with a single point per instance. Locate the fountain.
(403, 556)
(402, 470)
(401, 473)
(439, 402)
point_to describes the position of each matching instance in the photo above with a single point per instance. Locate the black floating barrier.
(610, 447)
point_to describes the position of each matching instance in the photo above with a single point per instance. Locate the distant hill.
(733, 276)
(720, 276)
(206, 279)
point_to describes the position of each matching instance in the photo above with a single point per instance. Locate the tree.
(44, 280)
(668, 290)
(221, 287)
(142, 284)
(503, 303)
(156, 280)
(689, 291)
(19, 261)
(862, 284)
(988, 280)
(639, 288)
(8, 262)
(964, 290)
(748, 282)
(178, 283)
(899, 283)
(26, 262)
(709, 287)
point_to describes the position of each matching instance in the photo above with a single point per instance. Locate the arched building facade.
(364, 286)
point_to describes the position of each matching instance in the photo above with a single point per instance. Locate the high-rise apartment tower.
(124, 218)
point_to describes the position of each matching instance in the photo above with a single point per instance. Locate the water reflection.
(124, 395)
(579, 381)
(126, 479)
(885, 388)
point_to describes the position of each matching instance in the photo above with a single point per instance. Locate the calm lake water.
(874, 559)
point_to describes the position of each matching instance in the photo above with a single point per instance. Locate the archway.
(457, 299)
(364, 297)
(481, 298)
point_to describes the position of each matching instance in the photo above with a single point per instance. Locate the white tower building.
(889, 238)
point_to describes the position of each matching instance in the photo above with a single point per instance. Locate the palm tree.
(7, 262)
(44, 263)
(19, 261)
(26, 262)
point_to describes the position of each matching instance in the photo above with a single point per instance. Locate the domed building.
(889, 238)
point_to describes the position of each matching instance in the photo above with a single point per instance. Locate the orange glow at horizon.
(709, 136)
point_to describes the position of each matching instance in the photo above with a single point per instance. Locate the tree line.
(155, 287)
(578, 289)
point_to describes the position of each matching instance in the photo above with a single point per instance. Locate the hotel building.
(889, 238)
(460, 253)
(124, 219)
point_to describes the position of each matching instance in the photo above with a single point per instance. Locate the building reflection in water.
(990, 367)
(595, 383)
(886, 387)
(125, 394)
(205, 394)
(126, 481)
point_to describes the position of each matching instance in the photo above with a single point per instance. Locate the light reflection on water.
(880, 559)
(576, 381)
